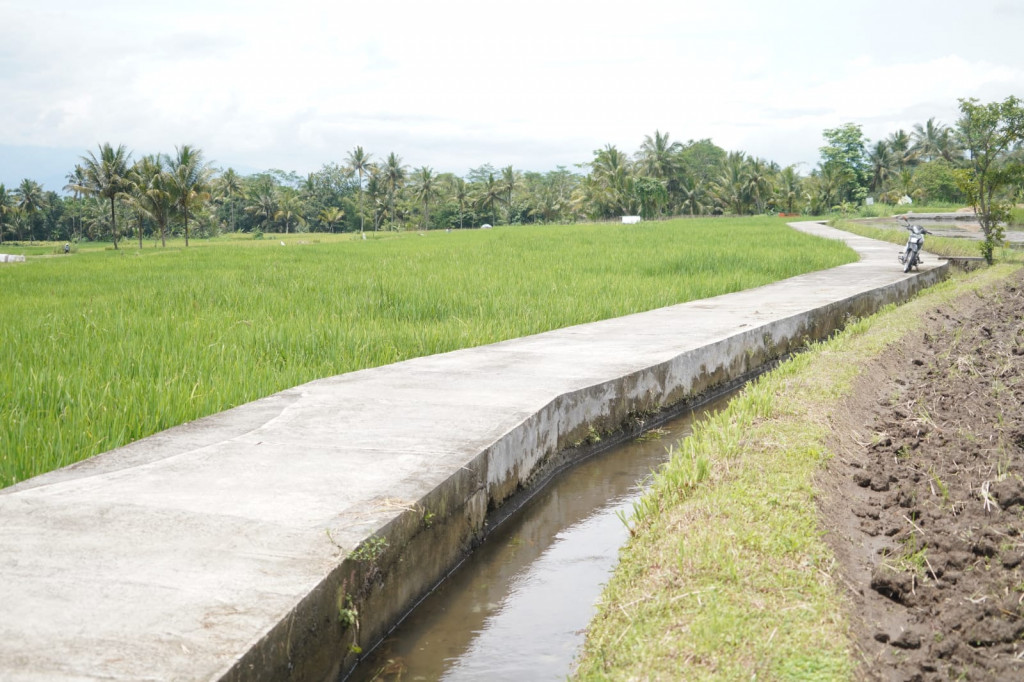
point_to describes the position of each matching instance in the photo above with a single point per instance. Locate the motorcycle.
(911, 254)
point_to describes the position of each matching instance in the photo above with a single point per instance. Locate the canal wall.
(279, 539)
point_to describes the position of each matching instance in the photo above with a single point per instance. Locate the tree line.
(109, 195)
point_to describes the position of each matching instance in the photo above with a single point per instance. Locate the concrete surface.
(227, 548)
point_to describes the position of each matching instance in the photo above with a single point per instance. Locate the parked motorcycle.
(911, 254)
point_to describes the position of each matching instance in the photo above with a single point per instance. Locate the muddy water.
(516, 609)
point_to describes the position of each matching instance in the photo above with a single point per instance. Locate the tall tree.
(989, 132)
(76, 179)
(844, 149)
(425, 189)
(228, 187)
(6, 208)
(106, 176)
(289, 213)
(31, 201)
(659, 158)
(394, 179)
(331, 216)
(489, 194)
(509, 184)
(262, 206)
(190, 180)
(900, 144)
(359, 163)
(151, 192)
(459, 192)
(883, 164)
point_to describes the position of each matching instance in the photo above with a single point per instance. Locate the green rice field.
(103, 347)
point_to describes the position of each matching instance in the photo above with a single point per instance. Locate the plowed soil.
(924, 501)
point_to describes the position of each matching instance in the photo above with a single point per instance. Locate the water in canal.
(517, 608)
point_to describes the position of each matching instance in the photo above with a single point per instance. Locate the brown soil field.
(923, 503)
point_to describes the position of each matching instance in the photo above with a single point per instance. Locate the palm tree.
(693, 195)
(658, 158)
(394, 180)
(509, 183)
(263, 206)
(882, 165)
(76, 179)
(289, 213)
(190, 177)
(788, 188)
(229, 186)
(31, 200)
(489, 194)
(331, 216)
(6, 208)
(107, 177)
(359, 163)
(426, 189)
(611, 186)
(152, 193)
(758, 182)
(460, 192)
(929, 139)
(901, 148)
(731, 186)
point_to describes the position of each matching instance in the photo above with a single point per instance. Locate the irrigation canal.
(274, 540)
(517, 608)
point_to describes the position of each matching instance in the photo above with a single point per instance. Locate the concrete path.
(217, 549)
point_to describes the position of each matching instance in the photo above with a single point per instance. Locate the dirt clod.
(932, 517)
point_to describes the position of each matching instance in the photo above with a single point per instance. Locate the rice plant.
(105, 347)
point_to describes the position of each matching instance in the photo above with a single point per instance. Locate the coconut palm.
(359, 163)
(758, 182)
(263, 205)
(229, 186)
(611, 187)
(30, 200)
(425, 189)
(460, 192)
(6, 208)
(152, 193)
(394, 180)
(693, 194)
(331, 216)
(189, 180)
(509, 184)
(901, 146)
(659, 158)
(106, 176)
(290, 213)
(489, 193)
(787, 188)
(930, 139)
(883, 164)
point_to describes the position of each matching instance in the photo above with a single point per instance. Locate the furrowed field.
(104, 347)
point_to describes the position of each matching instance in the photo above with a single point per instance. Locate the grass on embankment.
(949, 247)
(104, 347)
(726, 576)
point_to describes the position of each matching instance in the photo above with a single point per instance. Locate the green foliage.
(989, 132)
(107, 347)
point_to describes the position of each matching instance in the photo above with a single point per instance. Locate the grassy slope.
(104, 347)
(726, 576)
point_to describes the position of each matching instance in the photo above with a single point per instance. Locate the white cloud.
(454, 84)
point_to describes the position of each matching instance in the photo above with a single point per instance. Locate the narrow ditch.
(517, 608)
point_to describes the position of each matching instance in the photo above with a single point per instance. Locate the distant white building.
(630, 219)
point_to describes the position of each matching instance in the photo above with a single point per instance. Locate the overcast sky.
(455, 84)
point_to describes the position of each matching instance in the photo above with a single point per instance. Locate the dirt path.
(924, 502)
